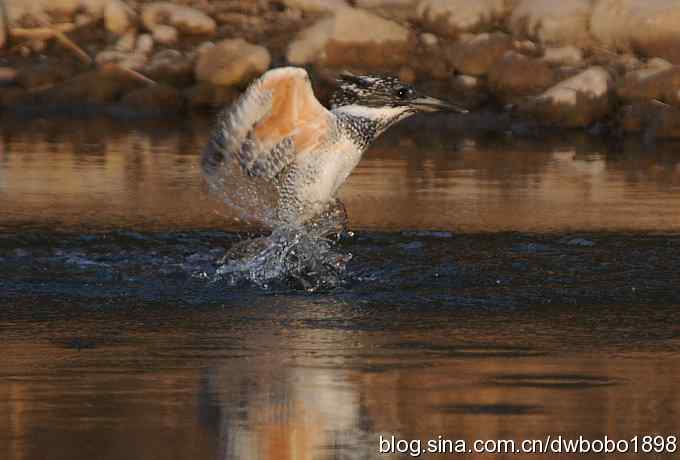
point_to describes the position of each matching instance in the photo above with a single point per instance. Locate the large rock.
(515, 76)
(577, 101)
(453, 17)
(352, 37)
(552, 21)
(231, 62)
(662, 84)
(650, 27)
(475, 56)
(185, 19)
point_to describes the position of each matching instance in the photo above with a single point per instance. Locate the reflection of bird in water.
(279, 132)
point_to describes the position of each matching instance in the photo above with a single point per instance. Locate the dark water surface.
(500, 288)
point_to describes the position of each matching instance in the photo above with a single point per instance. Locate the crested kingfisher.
(278, 131)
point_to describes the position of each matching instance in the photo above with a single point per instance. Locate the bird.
(278, 131)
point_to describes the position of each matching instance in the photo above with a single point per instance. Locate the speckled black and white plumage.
(371, 91)
(307, 178)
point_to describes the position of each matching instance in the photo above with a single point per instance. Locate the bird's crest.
(370, 90)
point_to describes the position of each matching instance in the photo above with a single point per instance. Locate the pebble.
(429, 39)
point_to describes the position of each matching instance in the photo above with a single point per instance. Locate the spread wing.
(277, 118)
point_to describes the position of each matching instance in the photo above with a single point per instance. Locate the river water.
(501, 286)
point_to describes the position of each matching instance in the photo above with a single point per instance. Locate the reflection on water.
(102, 174)
(283, 378)
(121, 343)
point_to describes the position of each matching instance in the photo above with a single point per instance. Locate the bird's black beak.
(431, 104)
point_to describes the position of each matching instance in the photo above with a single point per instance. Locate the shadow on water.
(499, 288)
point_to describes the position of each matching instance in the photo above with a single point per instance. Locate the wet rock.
(155, 99)
(118, 17)
(575, 102)
(209, 97)
(649, 27)
(352, 37)
(652, 119)
(315, 5)
(564, 55)
(185, 19)
(476, 56)
(515, 76)
(453, 17)
(171, 67)
(165, 35)
(660, 83)
(552, 21)
(232, 61)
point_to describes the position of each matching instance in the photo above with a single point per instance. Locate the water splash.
(296, 257)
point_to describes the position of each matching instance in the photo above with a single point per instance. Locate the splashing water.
(288, 257)
(299, 257)
(302, 257)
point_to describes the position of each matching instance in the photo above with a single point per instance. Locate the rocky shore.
(611, 64)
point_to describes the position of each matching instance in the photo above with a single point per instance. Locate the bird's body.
(278, 131)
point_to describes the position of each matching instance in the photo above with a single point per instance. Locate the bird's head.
(383, 98)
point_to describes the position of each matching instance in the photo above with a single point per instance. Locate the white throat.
(375, 113)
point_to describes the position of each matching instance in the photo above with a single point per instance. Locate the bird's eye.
(405, 92)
